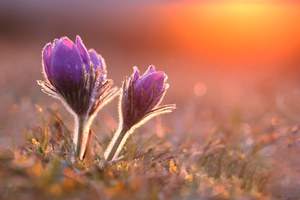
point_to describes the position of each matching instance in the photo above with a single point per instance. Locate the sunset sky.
(224, 33)
(216, 42)
(235, 33)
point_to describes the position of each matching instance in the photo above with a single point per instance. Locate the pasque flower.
(77, 77)
(139, 100)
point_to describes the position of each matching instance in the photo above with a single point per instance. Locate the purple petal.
(149, 89)
(159, 96)
(98, 63)
(94, 58)
(152, 80)
(66, 61)
(82, 50)
(136, 74)
(150, 70)
(46, 55)
(57, 41)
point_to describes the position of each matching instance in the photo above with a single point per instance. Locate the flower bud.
(142, 94)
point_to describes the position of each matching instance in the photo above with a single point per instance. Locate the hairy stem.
(116, 144)
(81, 135)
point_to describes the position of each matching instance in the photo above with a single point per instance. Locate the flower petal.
(141, 95)
(46, 56)
(82, 50)
(149, 89)
(150, 70)
(136, 74)
(98, 63)
(154, 80)
(66, 61)
(94, 58)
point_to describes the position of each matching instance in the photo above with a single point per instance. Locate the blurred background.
(229, 54)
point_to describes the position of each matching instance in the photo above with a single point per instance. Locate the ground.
(199, 151)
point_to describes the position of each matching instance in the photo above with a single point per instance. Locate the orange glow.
(237, 34)
(200, 89)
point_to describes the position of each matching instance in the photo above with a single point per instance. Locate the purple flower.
(139, 102)
(77, 77)
(142, 94)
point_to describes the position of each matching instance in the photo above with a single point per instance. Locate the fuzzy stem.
(116, 144)
(81, 136)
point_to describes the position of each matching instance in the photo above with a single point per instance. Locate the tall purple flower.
(77, 77)
(139, 100)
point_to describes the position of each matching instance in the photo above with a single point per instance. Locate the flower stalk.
(82, 135)
(116, 144)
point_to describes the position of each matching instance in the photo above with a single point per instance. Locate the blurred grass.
(229, 161)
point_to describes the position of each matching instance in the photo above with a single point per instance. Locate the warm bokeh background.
(230, 53)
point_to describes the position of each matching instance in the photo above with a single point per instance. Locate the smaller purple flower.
(77, 77)
(142, 94)
(139, 102)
